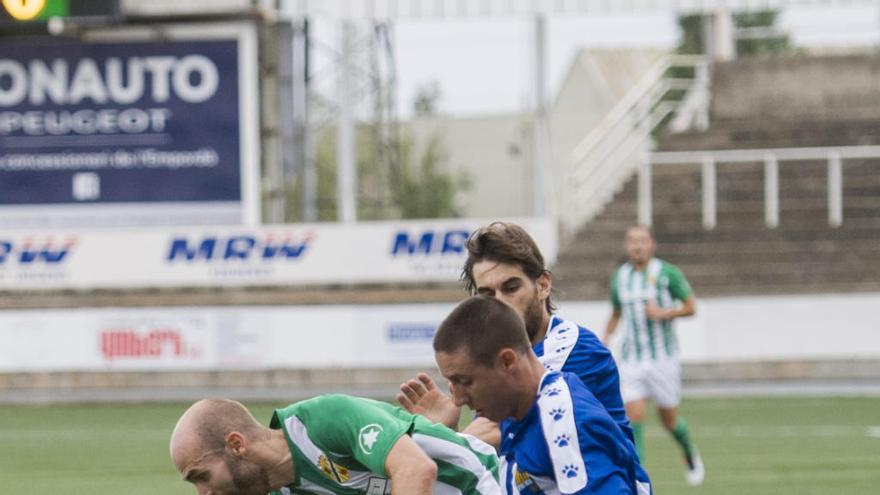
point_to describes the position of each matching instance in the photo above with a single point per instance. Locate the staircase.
(741, 255)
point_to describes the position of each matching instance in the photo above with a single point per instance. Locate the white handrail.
(758, 155)
(770, 157)
(608, 154)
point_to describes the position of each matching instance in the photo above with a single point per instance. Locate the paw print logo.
(562, 440)
(557, 413)
(562, 349)
(552, 391)
(570, 470)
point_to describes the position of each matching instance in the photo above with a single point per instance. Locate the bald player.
(333, 444)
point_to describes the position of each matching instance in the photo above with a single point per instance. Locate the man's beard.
(248, 477)
(534, 316)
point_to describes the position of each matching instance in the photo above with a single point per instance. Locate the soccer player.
(649, 294)
(504, 262)
(556, 437)
(331, 444)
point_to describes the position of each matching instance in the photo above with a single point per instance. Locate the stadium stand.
(793, 102)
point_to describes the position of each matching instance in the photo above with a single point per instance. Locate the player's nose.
(459, 398)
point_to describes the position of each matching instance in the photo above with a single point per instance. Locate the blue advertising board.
(120, 122)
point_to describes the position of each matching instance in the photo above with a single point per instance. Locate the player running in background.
(504, 262)
(649, 294)
(556, 437)
(331, 444)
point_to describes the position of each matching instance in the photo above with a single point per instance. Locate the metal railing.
(598, 166)
(834, 155)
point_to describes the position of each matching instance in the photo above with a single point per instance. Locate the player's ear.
(236, 443)
(544, 283)
(507, 358)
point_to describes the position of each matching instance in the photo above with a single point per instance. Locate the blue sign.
(119, 122)
(238, 247)
(411, 332)
(428, 242)
(30, 252)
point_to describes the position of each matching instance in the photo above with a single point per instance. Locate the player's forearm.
(678, 313)
(687, 308)
(416, 479)
(610, 327)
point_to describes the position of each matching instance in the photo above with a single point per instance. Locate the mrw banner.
(291, 254)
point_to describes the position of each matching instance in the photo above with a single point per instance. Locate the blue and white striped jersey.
(570, 348)
(567, 444)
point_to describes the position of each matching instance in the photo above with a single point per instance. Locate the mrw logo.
(367, 437)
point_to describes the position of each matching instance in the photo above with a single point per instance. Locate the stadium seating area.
(804, 254)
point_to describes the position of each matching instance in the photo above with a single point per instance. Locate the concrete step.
(598, 291)
(738, 253)
(253, 296)
(738, 134)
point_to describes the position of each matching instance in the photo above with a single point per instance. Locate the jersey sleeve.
(594, 364)
(358, 427)
(679, 287)
(613, 293)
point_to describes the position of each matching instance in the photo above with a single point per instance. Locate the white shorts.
(657, 380)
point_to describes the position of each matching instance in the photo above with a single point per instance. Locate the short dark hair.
(483, 325)
(504, 242)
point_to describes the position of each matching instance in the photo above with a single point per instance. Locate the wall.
(725, 330)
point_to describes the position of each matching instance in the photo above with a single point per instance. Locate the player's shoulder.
(333, 404)
(568, 345)
(622, 269)
(666, 266)
(558, 388)
(559, 415)
(585, 340)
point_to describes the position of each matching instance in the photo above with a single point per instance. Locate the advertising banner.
(396, 335)
(294, 254)
(99, 124)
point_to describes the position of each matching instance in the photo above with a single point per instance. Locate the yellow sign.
(24, 10)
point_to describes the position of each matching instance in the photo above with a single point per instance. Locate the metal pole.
(310, 172)
(835, 189)
(709, 193)
(540, 133)
(771, 191)
(644, 193)
(702, 85)
(724, 37)
(346, 178)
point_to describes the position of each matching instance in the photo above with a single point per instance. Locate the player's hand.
(654, 312)
(486, 430)
(421, 396)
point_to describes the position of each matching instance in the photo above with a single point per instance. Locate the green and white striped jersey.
(339, 445)
(660, 282)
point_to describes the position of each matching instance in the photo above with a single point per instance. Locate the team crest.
(525, 484)
(367, 437)
(332, 470)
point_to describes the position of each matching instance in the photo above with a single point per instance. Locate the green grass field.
(751, 446)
